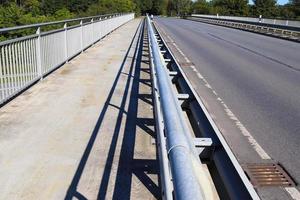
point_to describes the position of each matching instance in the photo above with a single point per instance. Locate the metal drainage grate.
(268, 174)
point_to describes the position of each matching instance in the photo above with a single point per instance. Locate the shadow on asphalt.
(127, 164)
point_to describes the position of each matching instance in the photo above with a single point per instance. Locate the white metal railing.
(27, 59)
(253, 19)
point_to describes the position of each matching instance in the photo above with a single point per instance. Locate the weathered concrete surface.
(72, 134)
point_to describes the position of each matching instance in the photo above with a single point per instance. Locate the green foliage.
(159, 7)
(77, 6)
(63, 13)
(182, 7)
(201, 6)
(231, 7)
(49, 7)
(286, 12)
(163, 7)
(266, 8)
(294, 7)
(32, 6)
(111, 6)
(20, 12)
(145, 6)
(10, 15)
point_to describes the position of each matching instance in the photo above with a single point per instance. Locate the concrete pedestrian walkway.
(87, 130)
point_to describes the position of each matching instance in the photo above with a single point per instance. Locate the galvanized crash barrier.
(27, 59)
(187, 138)
(291, 23)
(280, 30)
(183, 159)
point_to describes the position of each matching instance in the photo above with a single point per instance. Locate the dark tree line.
(18, 12)
(266, 8)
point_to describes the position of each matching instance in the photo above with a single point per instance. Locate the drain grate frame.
(268, 175)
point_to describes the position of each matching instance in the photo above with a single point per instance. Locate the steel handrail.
(281, 22)
(3, 30)
(26, 59)
(182, 155)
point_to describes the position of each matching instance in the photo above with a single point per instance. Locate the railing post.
(93, 35)
(2, 87)
(66, 42)
(100, 28)
(38, 54)
(23, 61)
(81, 36)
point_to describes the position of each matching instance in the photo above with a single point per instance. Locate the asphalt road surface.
(257, 76)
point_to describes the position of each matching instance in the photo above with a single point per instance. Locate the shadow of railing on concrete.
(127, 165)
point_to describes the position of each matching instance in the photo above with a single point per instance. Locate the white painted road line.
(293, 192)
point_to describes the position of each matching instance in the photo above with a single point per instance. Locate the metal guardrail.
(182, 156)
(281, 31)
(182, 150)
(25, 60)
(290, 23)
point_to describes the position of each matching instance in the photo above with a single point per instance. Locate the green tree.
(286, 11)
(182, 7)
(159, 7)
(146, 6)
(78, 5)
(10, 15)
(231, 7)
(111, 6)
(32, 6)
(201, 7)
(295, 7)
(63, 13)
(49, 7)
(266, 8)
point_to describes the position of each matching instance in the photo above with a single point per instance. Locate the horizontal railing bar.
(17, 75)
(279, 26)
(49, 32)
(27, 37)
(266, 29)
(52, 32)
(27, 59)
(291, 23)
(182, 157)
(2, 30)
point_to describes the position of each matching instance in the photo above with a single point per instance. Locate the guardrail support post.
(2, 87)
(66, 42)
(81, 36)
(100, 32)
(38, 54)
(93, 35)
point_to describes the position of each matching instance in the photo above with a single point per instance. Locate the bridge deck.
(71, 135)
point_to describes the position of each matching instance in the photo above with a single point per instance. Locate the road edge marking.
(293, 192)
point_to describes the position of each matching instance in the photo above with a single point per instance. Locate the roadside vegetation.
(20, 12)
(266, 8)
